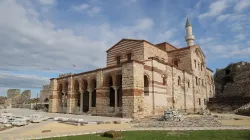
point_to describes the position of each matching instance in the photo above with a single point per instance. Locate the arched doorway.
(46, 105)
(65, 97)
(85, 98)
(111, 92)
(93, 94)
(76, 90)
(60, 98)
(119, 92)
(86, 101)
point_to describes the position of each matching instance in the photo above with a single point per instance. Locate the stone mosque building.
(141, 79)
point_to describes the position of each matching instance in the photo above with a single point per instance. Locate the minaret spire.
(189, 33)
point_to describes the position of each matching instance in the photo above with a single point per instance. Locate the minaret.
(189, 34)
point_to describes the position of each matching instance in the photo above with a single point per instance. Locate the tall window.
(179, 80)
(198, 65)
(199, 99)
(196, 78)
(118, 60)
(188, 84)
(146, 86)
(164, 80)
(202, 83)
(201, 67)
(195, 63)
(129, 55)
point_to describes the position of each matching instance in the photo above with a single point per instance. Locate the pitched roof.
(166, 43)
(130, 40)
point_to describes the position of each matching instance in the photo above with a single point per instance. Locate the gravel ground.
(188, 121)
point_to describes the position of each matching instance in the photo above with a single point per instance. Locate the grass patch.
(171, 135)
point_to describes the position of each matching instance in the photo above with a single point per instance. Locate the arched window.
(195, 63)
(164, 81)
(176, 62)
(46, 100)
(146, 85)
(196, 78)
(188, 84)
(179, 80)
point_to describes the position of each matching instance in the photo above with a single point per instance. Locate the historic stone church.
(141, 79)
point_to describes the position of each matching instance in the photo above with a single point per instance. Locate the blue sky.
(39, 39)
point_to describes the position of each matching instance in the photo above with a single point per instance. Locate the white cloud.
(89, 9)
(143, 24)
(221, 18)
(205, 40)
(34, 44)
(11, 80)
(216, 8)
(128, 2)
(47, 2)
(94, 10)
(248, 42)
(170, 33)
(241, 5)
(176, 43)
(240, 36)
(81, 7)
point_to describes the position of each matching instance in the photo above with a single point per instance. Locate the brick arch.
(117, 79)
(108, 80)
(84, 83)
(92, 82)
(148, 78)
(76, 84)
(60, 86)
(65, 85)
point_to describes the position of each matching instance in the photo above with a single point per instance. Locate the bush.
(112, 134)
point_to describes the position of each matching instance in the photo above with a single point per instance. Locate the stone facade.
(232, 86)
(44, 94)
(141, 80)
(233, 81)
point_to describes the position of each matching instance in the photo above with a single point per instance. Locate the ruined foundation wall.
(232, 86)
(234, 80)
(12, 93)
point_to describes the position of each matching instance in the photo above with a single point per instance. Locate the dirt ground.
(233, 119)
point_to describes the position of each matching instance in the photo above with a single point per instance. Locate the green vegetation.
(171, 135)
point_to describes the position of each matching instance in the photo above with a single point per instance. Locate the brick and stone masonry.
(141, 80)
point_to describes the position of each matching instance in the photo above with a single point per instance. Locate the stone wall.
(234, 80)
(12, 93)
(122, 48)
(2, 99)
(44, 93)
(15, 99)
(25, 97)
(151, 50)
(132, 89)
